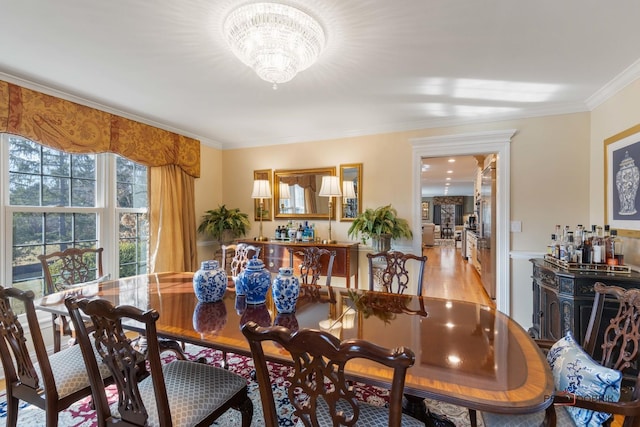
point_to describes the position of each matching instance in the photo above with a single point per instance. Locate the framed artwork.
(621, 180)
(267, 212)
(424, 208)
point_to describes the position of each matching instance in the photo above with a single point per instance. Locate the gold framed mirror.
(295, 193)
(351, 179)
(266, 210)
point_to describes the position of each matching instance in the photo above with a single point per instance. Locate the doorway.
(493, 142)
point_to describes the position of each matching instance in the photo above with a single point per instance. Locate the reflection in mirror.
(296, 193)
(351, 178)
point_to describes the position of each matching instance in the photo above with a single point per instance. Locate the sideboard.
(562, 299)
(276, 254)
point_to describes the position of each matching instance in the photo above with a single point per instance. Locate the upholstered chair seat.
(370, 415)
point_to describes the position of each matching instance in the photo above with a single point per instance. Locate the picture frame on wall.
(267, 214)
(424, 207)
(622, 181)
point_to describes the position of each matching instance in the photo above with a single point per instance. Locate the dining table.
(466, 353)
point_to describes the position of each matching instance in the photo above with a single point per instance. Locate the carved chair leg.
(224, 363)
(473, 417)
(246, 409)
(12, 411)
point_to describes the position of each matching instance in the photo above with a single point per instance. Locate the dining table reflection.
(466, 353)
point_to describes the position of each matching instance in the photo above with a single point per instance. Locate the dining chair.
(390, 270)
(64, 270)
(242, 253)
(53, 382)
(179, 393)
(319, 391)
(311, 266)
(593, 382)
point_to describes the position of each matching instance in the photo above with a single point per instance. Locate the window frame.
(106, 210)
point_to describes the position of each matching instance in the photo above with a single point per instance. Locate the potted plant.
(224, 224)
(380, 225)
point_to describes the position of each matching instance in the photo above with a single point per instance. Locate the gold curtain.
(174, 161)
(172, 242)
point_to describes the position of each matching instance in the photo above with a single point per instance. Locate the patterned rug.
(445, 242)
(80, 414)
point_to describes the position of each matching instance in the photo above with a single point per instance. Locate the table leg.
(415, 407)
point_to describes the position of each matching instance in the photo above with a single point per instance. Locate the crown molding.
(619, 82)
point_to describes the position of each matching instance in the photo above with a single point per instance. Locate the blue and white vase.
(210, 282)
(254, 281)
(285, 290)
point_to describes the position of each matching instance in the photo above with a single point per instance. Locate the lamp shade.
(330, 187)
(284, 191)
(348, 190)
(261, 189)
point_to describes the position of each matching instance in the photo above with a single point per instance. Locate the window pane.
(83, 193)
(24, 156)
(131, 184)
(125, 195)
(86, 228)
(55, 191)
(58, 228)
(27, 228)
(83, 166)
(24, 190)
(56, 163)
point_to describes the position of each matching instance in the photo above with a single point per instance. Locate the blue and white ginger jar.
(254, 282)
(210, 282)
(285, 290)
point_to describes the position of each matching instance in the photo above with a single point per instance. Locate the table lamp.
(330, 188)
(261, 190)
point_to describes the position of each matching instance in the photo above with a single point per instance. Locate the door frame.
(491, 142)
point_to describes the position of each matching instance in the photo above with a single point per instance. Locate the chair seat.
(490, 419)
(370, 415)
(194, 391)
(69, 371)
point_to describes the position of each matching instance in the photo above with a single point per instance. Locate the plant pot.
(381, 243)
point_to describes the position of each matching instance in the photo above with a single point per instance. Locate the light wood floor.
(447, 275)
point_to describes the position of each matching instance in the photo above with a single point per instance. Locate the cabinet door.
(536, 318)
(551, 324)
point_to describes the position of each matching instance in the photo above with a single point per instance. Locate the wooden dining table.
(466, 353)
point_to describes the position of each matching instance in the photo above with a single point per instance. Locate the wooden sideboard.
(276, 254)
(562, 299)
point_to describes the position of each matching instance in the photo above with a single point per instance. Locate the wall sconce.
(261, 190)
(330, 188)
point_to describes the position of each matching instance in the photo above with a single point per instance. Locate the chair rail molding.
(466, 144)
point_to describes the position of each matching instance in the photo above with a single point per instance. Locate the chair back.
(620, 337)
(242, 253)
(124, 361)
(311, 265)
(14, 352)
(319, 390)
(392, 272)
(62, 270)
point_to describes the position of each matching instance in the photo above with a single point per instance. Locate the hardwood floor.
(448, 275)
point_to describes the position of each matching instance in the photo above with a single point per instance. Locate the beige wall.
(208, 194)
(549, 169)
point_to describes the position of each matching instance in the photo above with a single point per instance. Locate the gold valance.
(75, 128)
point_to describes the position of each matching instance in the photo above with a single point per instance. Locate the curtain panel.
(75, 128)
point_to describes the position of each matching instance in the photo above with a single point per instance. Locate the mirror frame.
(276, 193)
(263, 174)
(358, 167)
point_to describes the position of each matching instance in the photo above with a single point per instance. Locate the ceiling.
(452, 176)
(388, 66)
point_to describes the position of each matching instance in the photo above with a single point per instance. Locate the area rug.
(81, 415)
(445, 242)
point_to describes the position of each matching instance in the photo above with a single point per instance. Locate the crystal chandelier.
(276, 40)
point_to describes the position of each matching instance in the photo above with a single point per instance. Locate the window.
(54, 200)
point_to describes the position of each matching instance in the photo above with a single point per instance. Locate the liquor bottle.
(617, 247)
(587, 248)
(608, 246)
(598, 247)
(570, 248)
(551, 247)
(578, 235)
